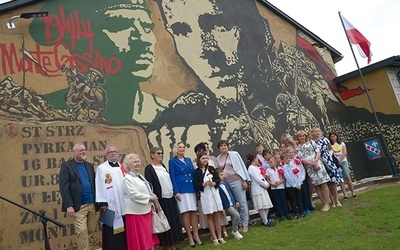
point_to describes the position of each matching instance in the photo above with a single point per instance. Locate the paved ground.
(375, 182)
(363, 185)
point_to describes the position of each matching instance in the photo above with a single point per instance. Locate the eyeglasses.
(159, 153)
(112, 152)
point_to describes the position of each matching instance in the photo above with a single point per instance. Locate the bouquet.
(210, 176)
(297, 160)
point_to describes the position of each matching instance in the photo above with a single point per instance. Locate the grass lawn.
(370, 222)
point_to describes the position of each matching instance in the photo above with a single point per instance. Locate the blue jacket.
(181, 174)
(224, 198)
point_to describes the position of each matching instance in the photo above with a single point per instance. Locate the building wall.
(381, 92)
(139, 74)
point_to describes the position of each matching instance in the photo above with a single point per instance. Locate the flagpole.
(390, 160)
(23, 72)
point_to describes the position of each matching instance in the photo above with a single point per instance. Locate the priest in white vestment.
(109, 196)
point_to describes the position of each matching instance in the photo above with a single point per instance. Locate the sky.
(377, 20)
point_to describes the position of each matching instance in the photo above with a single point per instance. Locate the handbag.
(327, 167)
(159, 220)
(336, 161)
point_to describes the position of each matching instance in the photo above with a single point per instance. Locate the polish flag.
(355, 37)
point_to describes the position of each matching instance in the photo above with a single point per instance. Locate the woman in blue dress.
(181, 173)
(326, 156)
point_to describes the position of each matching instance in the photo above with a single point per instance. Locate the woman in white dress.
(206, 182)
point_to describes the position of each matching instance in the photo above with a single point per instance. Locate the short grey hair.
(108, 147)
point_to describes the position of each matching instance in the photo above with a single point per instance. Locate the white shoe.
(221, 241)
(225, 234)
(237, 235)
(215, 242)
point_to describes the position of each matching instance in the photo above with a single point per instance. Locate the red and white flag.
(355, 37)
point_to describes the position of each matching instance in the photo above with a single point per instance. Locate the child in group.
(206, 182)
(278, 155)
(266, 154)
(229, 203)
(259, 194)
(294, 174)
(287, 140)
(304, 190)
(276, 178)
(261, 160)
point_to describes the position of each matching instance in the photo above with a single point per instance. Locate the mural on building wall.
(145, 73)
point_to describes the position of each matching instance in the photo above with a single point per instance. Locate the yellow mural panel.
(32, 154)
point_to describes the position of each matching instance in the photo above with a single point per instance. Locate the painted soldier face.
(211, 50)
(131, 31)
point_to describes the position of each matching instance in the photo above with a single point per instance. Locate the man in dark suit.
(78, 195)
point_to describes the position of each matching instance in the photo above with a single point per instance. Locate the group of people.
(207, 188)
(326, 164)
(121, 190)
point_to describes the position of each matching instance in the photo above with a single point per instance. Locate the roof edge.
(336, 55)
(8, 6)
(391, 61)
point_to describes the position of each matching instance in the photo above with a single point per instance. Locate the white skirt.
(261, 201)
(187, 203)
(210, 200)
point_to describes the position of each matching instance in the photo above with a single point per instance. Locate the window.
(394, 77)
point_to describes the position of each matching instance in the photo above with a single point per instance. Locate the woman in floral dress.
(326, 156)
(309, 154)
